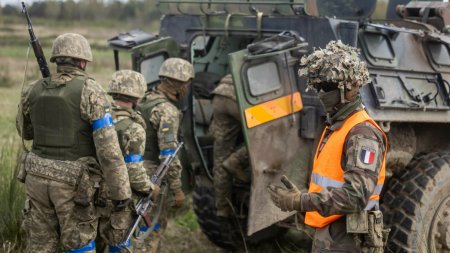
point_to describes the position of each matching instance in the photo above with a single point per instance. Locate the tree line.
(137, 10)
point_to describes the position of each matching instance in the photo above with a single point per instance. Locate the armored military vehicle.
(407, 52)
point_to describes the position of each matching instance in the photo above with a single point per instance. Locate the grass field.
(183, 233)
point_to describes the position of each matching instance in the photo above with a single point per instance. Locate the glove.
(178, 198)
(119, 205)
(155, 193)
(286, 199)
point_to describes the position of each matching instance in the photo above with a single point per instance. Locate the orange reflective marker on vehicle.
(274, 109)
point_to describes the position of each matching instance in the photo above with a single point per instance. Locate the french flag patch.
(367, 155)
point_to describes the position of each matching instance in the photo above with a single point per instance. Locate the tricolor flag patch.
(367, 155)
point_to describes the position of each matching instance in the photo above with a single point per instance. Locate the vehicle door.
(279, 121)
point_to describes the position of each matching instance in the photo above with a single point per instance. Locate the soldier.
(126, 88)
(230, 156)
(67, 115)
(349, 164)
(162, 118)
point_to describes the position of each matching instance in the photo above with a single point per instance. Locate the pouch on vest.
(357, 223)
(22, 172)
(377, 235)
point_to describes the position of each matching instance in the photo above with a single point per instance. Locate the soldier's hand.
(178, 198)
(287, 199)
(155, 193)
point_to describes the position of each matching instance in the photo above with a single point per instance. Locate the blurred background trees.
(134, 11)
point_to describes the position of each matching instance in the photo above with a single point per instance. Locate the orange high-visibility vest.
(328, 172)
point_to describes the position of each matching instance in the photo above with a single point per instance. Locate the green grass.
(12, 198)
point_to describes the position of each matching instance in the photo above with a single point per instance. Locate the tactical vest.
(151, 140)
(59, 131)
(328, 171)
(122, 125)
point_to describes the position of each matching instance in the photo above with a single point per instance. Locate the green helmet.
(337, 63)
(127, 82)
(177, 69)
(71, 45)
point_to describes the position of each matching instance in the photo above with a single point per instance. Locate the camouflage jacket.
(132, 142)
(165, 120)
(226, 88)
(359, 181)
(93, 106)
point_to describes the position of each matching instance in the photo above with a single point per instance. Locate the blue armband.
(133, 158)
(167, 152)
(106, 121)
(87, 248)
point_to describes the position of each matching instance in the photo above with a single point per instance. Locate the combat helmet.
(337, 63)
(177, 69)
(71, 45)
(127, 82)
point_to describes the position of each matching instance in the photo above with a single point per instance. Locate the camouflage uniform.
(163, 122)
(59, 206)
(130, 128)
(339, 64)
(229, 157)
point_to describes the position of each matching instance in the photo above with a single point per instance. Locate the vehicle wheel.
(417, 206)
(229, 237)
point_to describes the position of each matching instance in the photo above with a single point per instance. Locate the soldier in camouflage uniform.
(126, 88)
(67, 115)
(349, 165)
(230, 155)
(162, 117)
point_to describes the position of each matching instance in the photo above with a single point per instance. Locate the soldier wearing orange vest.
(349, 164)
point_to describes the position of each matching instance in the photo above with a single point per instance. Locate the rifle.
(37, 48)
(144, 203)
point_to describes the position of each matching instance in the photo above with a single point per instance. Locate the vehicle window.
(439, 53)
(378, 46)
(263, 78)
(201, 45)
(150, 67)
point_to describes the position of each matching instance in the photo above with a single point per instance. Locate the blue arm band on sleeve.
(106, 121)
(133, 158)
(87, 248)
(167, 152)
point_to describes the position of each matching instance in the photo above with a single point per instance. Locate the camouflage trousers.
(230, 160)
(112, 226)
(51, 217)
(334, 238)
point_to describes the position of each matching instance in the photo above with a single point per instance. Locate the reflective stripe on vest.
(328, 172)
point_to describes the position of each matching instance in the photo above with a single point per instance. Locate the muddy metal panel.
(275, 147)
(317, 31)
(407, 86)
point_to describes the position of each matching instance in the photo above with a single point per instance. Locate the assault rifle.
(145, 203)
(37, 48)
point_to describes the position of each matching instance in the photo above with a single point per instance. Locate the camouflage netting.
(71, 45)
(177, 69)
(128, 82)
(337, 63)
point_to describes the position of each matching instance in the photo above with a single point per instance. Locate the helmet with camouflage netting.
(177, 69)
(338, 64)
(127, 82)
(71, 45)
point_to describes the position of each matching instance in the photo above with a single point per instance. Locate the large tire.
(417, 204)
(230, 237)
